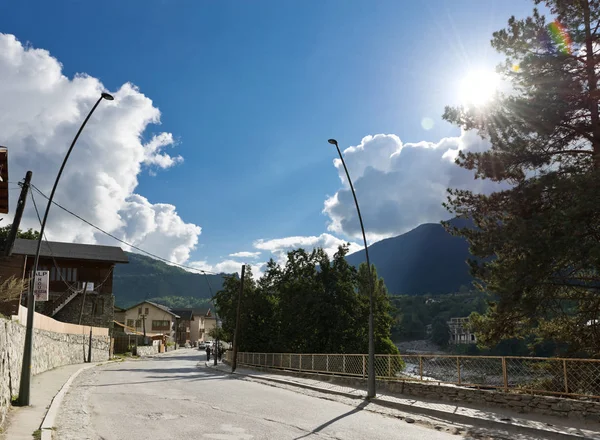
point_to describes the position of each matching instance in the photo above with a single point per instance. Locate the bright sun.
(478, 87)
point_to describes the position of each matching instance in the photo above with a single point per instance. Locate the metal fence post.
(290, 361)
(505, 374)
(566, 376)
(421, 367)
(327, 362)
(343, 363)
(389, 365)
(458, 368)
(313, 363)
(364, 359)
(300, 362)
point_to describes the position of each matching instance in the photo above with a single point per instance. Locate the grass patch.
(37, 434)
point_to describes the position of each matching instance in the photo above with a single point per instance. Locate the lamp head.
(108, 96)
(332, 142)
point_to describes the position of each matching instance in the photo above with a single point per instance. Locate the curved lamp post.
(25, 383)
(371, 364)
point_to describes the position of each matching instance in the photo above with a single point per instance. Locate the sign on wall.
(41, 285)
(3, 180)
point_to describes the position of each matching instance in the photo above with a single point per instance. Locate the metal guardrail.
(534, 375)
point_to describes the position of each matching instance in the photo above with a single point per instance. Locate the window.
(130, 323)
(472, 337)
(147, 311)
(138, 323)
(62, 274)
(139, 311)
(161, 325)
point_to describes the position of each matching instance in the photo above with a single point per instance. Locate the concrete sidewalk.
(537, 425)
(23, 421)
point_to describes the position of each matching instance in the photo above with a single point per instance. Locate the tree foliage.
(440, 332)
(29, 234)
(538, 238)
(412, 314)
(312, 304)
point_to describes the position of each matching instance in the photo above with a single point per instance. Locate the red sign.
(3, 180)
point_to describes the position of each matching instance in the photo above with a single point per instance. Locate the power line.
(123, 241)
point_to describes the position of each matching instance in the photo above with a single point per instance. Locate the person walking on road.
(208, 353)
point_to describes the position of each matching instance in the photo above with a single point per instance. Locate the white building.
(459, 332)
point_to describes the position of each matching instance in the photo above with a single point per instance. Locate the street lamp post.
(371, 367)
(25, 383)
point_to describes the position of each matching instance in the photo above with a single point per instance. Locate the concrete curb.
(50, 417)
(505, 426)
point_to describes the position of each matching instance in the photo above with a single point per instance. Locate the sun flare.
(478, 87)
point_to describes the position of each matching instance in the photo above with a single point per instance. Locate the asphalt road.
(176, 396)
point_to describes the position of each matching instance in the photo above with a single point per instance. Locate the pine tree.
(538, 239)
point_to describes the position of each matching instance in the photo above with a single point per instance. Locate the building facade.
(81, 279)
(460, 333)
(152, 319)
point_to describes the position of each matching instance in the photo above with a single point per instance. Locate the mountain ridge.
(424, 260)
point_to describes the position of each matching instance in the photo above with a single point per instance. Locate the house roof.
(186, 314)
(73, 251)
(202, 311)
(160, 306)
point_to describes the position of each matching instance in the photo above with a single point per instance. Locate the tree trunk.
(592, 82)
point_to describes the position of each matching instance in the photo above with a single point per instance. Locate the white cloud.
(40, 112)
(279, 247)
(400, 186)
(229, 267)
(245, 254)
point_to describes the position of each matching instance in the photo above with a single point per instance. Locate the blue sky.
(252, 90)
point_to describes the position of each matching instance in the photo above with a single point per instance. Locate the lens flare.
(560, 37)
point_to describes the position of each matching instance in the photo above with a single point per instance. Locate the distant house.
(459, 332)
(184, 325)
(155, 319)
(194, 325)
(81, 279)
(205, 324)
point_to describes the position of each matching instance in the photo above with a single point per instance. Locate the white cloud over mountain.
(400, 186)
(279, 247)
(245, 254)
(40, 112)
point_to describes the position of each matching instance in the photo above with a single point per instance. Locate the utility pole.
(89, 359)
(18, 215)
(144, 327)
(236, 335)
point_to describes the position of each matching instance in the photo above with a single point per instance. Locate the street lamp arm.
(60, 171)
(362, 227)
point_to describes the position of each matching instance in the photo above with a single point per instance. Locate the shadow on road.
(319, 428)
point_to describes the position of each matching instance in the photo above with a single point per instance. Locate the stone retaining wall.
(519, 402)
(148, 350)
(50, 350)
(522, 403)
